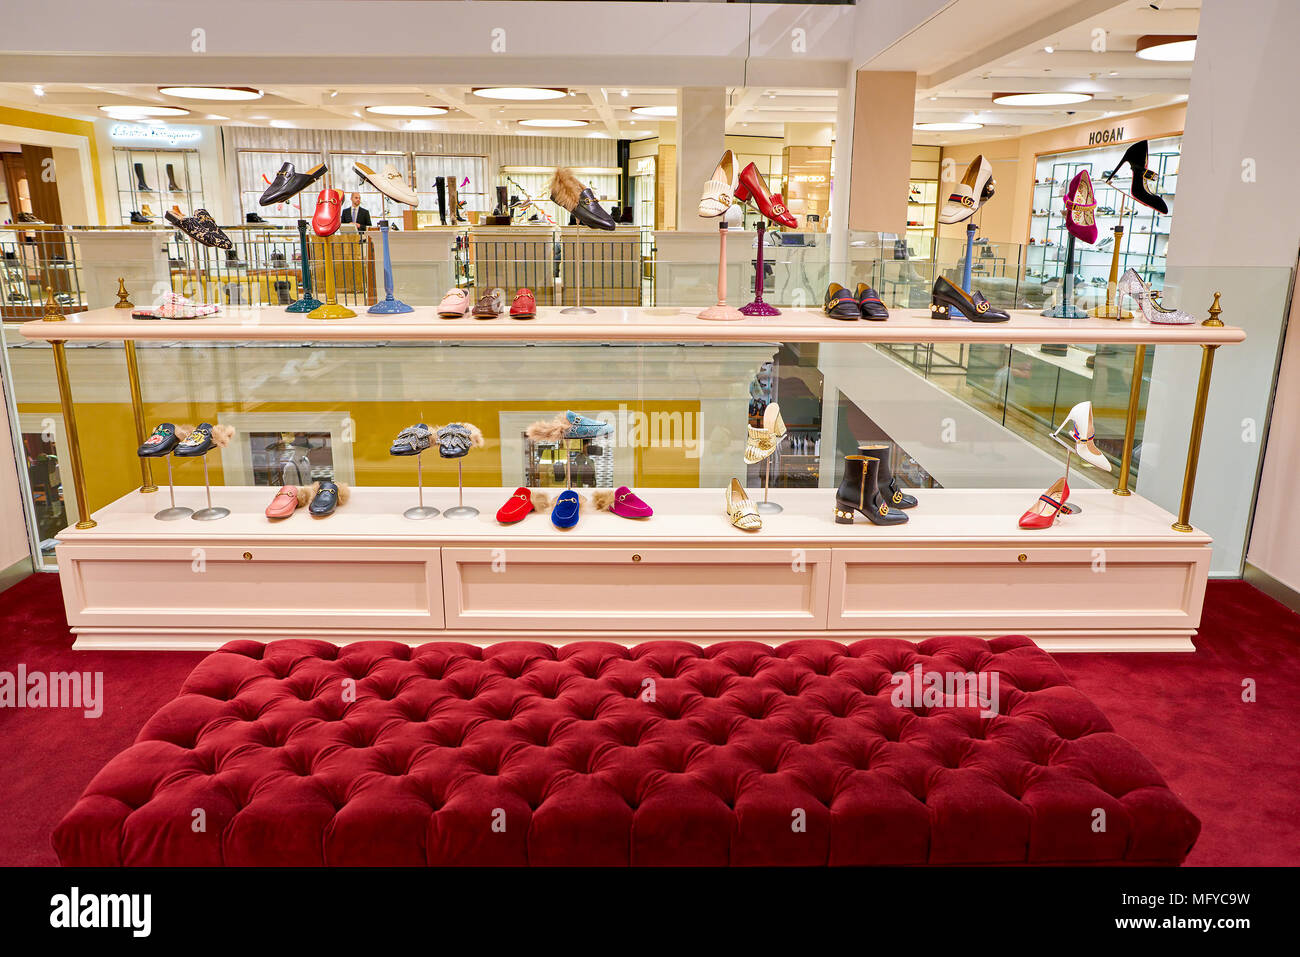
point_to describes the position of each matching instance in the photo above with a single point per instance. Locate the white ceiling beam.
(603, 109)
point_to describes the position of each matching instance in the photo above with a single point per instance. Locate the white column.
(841, 173)
(701, 125)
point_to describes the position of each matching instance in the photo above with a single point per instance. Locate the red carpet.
(1231, 762)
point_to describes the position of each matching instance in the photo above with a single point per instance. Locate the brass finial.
(1214, 313)
(123, 302)
(52, 313)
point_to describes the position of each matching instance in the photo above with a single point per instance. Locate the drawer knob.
(1022, 557)
(248, 556)
(636, 558)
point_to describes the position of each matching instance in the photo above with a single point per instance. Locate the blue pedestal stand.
(306, 302)
(970, 249)
(388, 306)
(1066, 309)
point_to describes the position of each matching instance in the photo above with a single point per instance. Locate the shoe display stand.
(460, 509)
(1113, 308)
(766, 505)
(389, 305)
(1066, 309)
(960, 564)
(722, 312)
(174, 511)
(306, 302)
(210, 512)
(758, 307)
(578, 309)
(419, 511)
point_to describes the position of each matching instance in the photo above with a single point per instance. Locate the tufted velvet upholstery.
(303, 752)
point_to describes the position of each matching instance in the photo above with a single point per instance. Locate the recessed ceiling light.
(622, 93)
(1040, 99)
(555, 123)
(212, 92)
(217, 116)
(771, 96)
(1169, 48)
(141, 112)
(519, 93)
(402, 110)
(946, 127)
(1049, 49)
(38, 90)
(655, 110)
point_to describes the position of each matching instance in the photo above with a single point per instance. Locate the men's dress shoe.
(389, 182)
(870, 303)
(202, 228)
(326, 496)
(975, 188)
(139, 217)
(197, 442)
(329, 212)
(1080, 207)
(524, 305)
(489, 305)
(412, 440)
(750, 185)
(565, 512)
(950, 302)
(839, 303)
(454, 304)
(455, 439)
(582, 427)
(1044, 512)
(579, 200)
(518, 507)
(288, 184)
(720, 190)
(627, 505)
(285, 502)
(161, 441)
(254, 219)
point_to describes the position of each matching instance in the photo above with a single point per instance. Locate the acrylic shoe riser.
(579, 309)
(211, 513)
(421, 510)
(461, 510)
(758, 307)
(765, 506)
(305, 302)
(1066, 309)
(722, 312)
(176, 511)
(388, 306)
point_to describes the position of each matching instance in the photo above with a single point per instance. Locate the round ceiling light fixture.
(519, 92)
(655, 110)
(1040, 99)
(211, 92)
(1170, 48)
(556, 123)
(946, 127)
(142, 112)
(406, 110)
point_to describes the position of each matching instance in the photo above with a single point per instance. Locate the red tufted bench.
(304, 752)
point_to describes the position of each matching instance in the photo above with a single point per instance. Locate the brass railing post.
(1198, 424)
(1130, 423)
(69, 415)
(137, 410)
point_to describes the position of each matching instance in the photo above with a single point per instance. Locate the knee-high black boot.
(859, 492)
(440, 185)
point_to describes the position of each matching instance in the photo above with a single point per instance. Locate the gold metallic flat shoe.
(763, 442)
(741, 510)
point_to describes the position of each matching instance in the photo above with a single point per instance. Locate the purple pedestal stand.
(758, 307)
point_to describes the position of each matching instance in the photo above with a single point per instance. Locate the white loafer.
(720, 191)
(389, 182)
(975, 188)
(1083, 434)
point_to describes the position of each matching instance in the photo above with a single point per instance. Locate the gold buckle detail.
(883, 510)
(898, 497)
(982, 306)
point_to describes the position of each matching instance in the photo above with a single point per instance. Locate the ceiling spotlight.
(1049, 49)
(622, 93)
(1040, 99)
(555, 124)
(217, 116)
(946, 127)
(771, 96)
(212, 92)
(1168, 48)
(519, 93)
(333, 93)
(38, 90)
(400, 110)
(142, 112)
(655, 110)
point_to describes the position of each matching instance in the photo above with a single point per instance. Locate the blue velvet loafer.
(565, 512)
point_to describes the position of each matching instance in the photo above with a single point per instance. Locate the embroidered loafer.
(565, 512)
(412, 440)
(627, 505)
(389, 182)
(582, 427)
(524, 305)
(489, 306)
(454, 304)
(288, 183)
(172, 305)
(197, 442)
(201, 228)
(870, 304)
(455, 439)
(839, 303)
(160, 442)
(329, 212)
(518, 507)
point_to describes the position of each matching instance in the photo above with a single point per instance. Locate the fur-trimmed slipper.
(455, 439)
(579, 200)
(326, 496)
(564, 513)
(202, 438)
(522, 504)
(623, 502)
(288, 500)
(571, 425)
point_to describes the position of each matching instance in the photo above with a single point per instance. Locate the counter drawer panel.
(252, 586)
(948, 589)
(557, 589)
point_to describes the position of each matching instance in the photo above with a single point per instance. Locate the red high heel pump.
(751, 185)
(1044, 512)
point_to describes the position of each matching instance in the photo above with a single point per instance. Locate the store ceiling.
(1093, 45)
(758, 111)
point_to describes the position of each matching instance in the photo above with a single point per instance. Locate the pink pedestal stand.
(722, 312)
(758, 307)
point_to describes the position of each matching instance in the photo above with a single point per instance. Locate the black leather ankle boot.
(888, 483)
(440, 186)
(859, 492)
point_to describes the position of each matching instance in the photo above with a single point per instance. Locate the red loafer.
(752, 186)
(285, 503)
(329, 212)
(516, 508)
(524, 305)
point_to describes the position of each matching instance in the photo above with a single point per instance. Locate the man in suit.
(356, 213)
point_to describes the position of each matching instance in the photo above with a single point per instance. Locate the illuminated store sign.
(171, 135)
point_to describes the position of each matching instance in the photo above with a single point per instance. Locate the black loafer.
(870, 303)
(950, 302)
(590, 213)
(160, 442)
(288, 183)
(197, 442)
(201, 228)
(326, 500)
(839, 303)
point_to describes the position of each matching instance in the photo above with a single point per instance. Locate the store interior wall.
(14, 546)
(79, 180)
